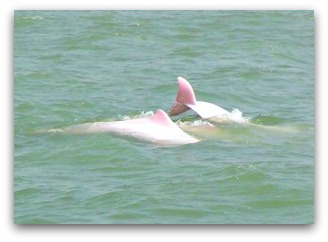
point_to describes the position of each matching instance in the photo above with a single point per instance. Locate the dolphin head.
(185, 96)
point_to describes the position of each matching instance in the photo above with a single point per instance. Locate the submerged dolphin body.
(157, 128)
(186, 100)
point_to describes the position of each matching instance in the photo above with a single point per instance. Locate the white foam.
(143, 114)
(235, 116)
(58, 130)
(32, 17)
(195, 123)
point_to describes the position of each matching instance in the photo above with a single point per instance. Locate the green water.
(74, 67)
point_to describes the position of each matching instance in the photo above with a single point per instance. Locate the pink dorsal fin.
(160, 117)
(185, 94)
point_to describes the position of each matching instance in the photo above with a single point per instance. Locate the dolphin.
(186, 100)
(157, 128)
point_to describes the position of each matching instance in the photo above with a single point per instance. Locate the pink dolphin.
(186, 100)
(157, 128)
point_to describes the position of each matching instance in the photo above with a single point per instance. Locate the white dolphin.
(157, 128)
(186, 100)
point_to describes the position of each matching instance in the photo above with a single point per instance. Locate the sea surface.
(76, 67)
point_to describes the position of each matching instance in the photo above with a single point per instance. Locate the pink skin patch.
(160, 117)
(185, 95)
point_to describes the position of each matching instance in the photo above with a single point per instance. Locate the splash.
(235, 116)
(195, 123)
(143, 114)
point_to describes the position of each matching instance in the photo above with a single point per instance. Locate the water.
(74, 67)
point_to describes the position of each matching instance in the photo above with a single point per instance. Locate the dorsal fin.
(162, 118)
(185, 94)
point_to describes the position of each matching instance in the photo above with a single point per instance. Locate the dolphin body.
(158, 128)
(186, 100)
